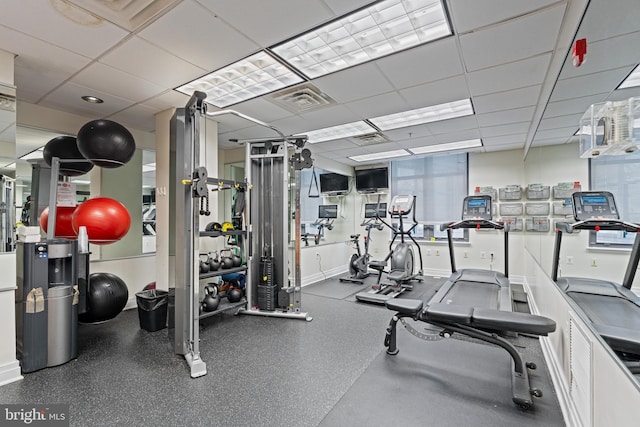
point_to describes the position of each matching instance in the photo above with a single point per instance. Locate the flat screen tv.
(333, 183)
(328, 211)
(370, 210)
(372, 179)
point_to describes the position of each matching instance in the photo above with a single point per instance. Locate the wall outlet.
(437, 252)
(483, 255)
(466, 254)
(492, 254)
(569, 260)
(594, 262)
(428, 252)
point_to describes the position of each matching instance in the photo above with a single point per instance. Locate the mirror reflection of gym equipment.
(359, 261)
(401, 257)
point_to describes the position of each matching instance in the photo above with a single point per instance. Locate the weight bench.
(481, 323)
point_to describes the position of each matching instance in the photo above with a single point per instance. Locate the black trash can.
(152, 309)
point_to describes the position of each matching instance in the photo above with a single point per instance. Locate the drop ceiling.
(511, 58)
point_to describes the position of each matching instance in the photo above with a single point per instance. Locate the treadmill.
(476, 287)
(612, 308)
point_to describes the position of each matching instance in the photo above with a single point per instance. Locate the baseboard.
(569, 410)
(131, 303)
(10, 372)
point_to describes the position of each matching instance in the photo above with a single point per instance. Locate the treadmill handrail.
(473, 223)
(605, 224)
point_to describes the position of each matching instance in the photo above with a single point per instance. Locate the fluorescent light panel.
(340, 131)
(251, 77)
(449, 146)
(632, 79)
(378, 156)
(381, 29)
(434, 113)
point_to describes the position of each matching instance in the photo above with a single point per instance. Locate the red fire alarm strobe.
(579, 52)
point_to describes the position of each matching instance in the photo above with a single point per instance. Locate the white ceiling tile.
(514, 75)
(39, 19)
(446, 90)
(32, 84)
(427, 63)
(513, 40)
(411, 132)
(118, 83)
(605, 81)
(379, 105)
(137, 117)
(515, 146)
(271, 22)
(604, 55)
(339, 144)
(622, 94)
(516, 139)
(572, 106)
(455, 136)
(262, 109)
(168, 99)
(341, 7)
(561, 134)
(609, 18)
(546, 142)
(471, 14)
(499, 101)
(354, 83)
(453, 125)
(506, 116)
(559, 121)
(194, 34)
(510, 129)
(328, 116)
(68, 98)
(140, 58)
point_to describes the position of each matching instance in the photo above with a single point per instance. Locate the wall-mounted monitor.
(369, 180)
(334, 183)
(328, 211)
(370, 210)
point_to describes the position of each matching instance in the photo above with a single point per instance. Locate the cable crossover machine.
(273, 288)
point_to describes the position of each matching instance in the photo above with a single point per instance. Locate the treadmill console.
(589, 205)
(477, 207)
(401, 205)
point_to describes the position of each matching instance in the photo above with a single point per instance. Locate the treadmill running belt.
(474, 294)
(609, 310)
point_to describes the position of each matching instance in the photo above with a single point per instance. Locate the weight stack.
(267, 290)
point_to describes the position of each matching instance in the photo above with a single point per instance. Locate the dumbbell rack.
(229, 306)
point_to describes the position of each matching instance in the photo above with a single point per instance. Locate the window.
(439, 183)
(621, 176)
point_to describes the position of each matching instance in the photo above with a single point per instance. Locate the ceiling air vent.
(301, 98)
(128, 14)
(370, 139)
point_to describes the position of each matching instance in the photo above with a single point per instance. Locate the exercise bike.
(401, 256)
(359, 262)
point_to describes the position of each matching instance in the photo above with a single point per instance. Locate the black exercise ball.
(106, 297)
(106, 143)
(66, 148)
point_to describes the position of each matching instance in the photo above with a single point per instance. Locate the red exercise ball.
(107, 220)
(63, 222)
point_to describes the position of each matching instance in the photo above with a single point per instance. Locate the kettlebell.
(234, 295)
(214, 264)
(227, 261)
(237, 260)
(211, 300)
(204, 263)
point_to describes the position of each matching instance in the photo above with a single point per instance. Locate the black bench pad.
(404, 306)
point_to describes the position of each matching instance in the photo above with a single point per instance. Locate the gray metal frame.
(187, 140)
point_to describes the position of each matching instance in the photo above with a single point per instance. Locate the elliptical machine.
(401, 256)
(359, 262)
